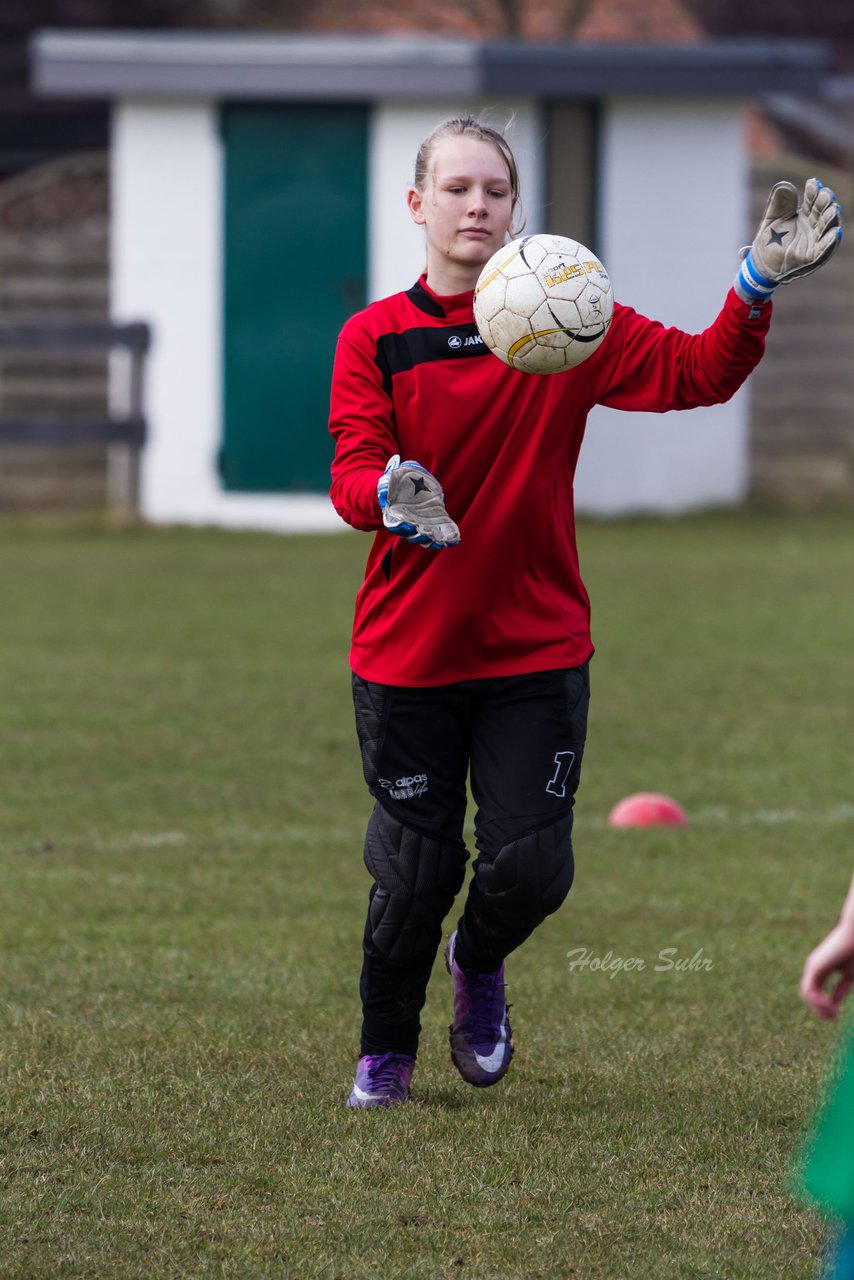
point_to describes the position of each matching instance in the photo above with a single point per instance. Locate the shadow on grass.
(448, 1098)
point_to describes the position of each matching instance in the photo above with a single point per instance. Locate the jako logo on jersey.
(405, 788)
(455, 342)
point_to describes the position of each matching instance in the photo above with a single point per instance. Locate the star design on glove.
(418, 484)
(776, 237)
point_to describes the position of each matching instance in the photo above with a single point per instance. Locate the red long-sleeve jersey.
(413, 376)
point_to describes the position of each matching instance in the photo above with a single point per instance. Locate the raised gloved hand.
(792, 241)
(413, 505)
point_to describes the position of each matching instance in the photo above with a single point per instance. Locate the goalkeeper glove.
(413, 505)
(791, 241)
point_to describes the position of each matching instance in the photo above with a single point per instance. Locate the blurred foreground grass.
(181, 817)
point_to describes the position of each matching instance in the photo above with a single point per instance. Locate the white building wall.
(673, 215)
(165, 251)
(673, 202)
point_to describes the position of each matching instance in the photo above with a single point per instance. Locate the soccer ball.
(543, 303)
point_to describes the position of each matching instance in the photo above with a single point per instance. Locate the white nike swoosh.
(361, 1095)
(492, 1061)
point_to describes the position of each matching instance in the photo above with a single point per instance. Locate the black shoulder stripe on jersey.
(399, 352)
(424, 301)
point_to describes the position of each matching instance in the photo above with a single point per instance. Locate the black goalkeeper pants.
(519, 742)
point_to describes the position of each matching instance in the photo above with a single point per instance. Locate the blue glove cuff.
(382, 483)
(750, 285)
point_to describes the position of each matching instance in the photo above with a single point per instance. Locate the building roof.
(112, 64)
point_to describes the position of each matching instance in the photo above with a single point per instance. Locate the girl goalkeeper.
(471, 643)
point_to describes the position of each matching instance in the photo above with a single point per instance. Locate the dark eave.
(114, 64)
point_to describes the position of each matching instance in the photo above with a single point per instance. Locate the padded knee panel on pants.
(417, 878)
(529, 877)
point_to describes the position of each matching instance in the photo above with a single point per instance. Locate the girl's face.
(466, 208)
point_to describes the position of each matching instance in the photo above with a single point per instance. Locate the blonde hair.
(469, 127)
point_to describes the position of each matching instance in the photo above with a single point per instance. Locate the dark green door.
(295, 268)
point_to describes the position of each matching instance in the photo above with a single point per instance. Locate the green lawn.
(181, 818)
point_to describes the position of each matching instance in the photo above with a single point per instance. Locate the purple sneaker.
(481, 1047)
(382, 1080)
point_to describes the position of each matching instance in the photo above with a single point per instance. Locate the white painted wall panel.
(673, 215)
(165, 255)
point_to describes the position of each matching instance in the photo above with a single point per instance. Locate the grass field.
(181, 818)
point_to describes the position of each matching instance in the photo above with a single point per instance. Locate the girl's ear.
(415, 201)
